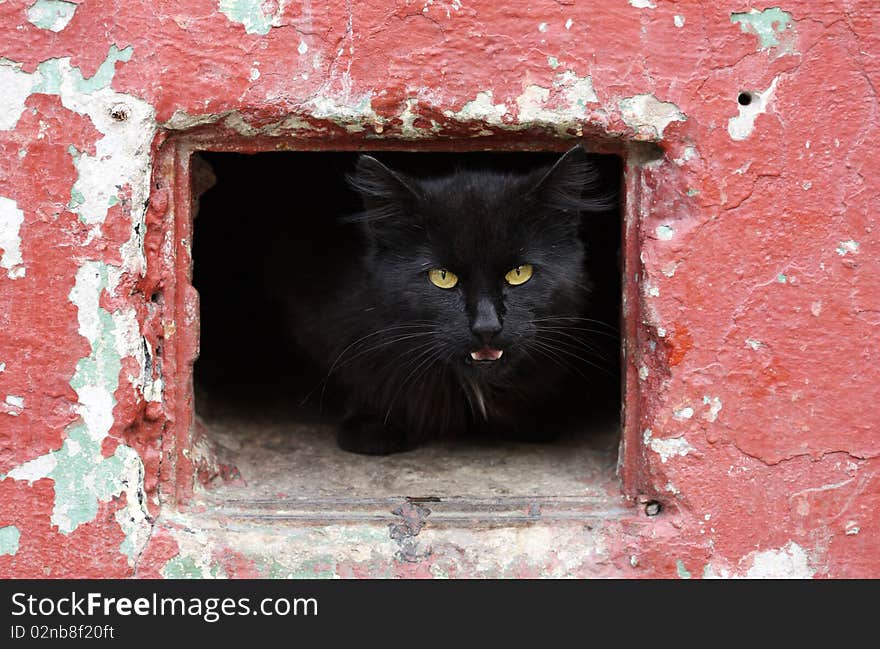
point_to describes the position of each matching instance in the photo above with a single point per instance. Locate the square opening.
(264, 221)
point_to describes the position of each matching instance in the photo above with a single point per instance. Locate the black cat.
(451, 304)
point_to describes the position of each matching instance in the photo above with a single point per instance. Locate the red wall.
(755, 321)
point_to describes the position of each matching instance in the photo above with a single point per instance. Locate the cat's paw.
(367, 435)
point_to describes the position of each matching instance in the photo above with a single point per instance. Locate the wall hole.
(271, 220)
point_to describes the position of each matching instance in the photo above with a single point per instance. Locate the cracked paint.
(11, 219)
(53, 15)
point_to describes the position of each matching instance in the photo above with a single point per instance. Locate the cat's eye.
(442, 278)
(519, 275)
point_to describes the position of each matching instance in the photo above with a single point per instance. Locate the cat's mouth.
(487, 355)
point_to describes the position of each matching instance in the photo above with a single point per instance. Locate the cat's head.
(485, 259)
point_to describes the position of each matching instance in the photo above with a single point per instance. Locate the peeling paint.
(788, 562)
(82, 475)
(741, 126)
(9, 538)
(667, 447)
(482, 109)
(53, 15)
(11, 219)
(17, 87)
(257, 16)
(772, 26)
(534, 107)
(649, 116)
(643, 4)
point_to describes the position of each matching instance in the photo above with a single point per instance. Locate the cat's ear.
(379, 186)
(573, 184)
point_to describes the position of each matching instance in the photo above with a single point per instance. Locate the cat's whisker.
(568, 339)
(569, 352)
(427, 356)
(417, 324)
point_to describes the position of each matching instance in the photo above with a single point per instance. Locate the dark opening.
(744, 98)
(266, 404)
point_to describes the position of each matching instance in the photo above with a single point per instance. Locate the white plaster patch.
(133, 518)
(669, 447)
(14, 401)
(678, 20)
(847, 247)
(569, 23)
(741, 126)
(643, 4)
(542, 27)
(303, 47)
(683, 414)
(665, 232)
(34, 470)
(349, 113)
(788, 562)
(754, 344)
(16, 87)
(481, 109)
(11, 219)
(715, 406)
(643, 372)
(53, 15)
(577, 92)
(649, 116)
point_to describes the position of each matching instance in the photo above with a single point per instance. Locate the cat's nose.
(486, 323)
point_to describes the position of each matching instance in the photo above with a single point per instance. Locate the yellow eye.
(519, 275)
(442, 278)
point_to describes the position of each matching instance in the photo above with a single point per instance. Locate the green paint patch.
(256, 15)
(683, 572)
(53, 15)
(53, 72)
(553, 62)
(187, 568)
(773, 27)
(693, 192)
(9, 537)
(782, 279)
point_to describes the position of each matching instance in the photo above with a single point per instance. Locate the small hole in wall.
(744, 98)
(268, 239)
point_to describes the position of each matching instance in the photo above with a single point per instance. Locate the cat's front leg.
(367, 434)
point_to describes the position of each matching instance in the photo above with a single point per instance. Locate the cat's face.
(485, 261)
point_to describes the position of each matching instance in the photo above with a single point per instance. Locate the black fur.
(400, 347)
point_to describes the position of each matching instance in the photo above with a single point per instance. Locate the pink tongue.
(487, 354)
